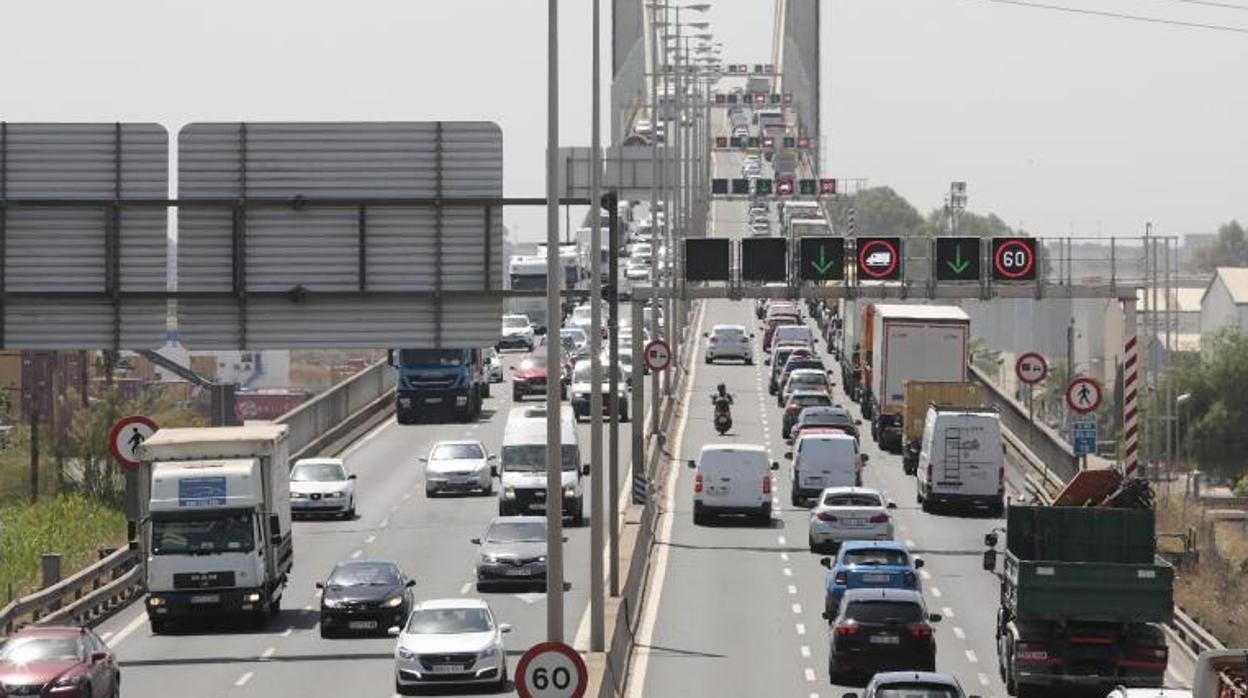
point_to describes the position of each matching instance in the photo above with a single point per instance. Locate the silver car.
(458, 466)
(450, 642)
(512, 551)
(729, 342)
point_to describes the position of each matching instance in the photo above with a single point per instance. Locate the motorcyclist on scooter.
(721, 398)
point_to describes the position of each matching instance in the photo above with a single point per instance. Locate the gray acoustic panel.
(369, 243)
(51, 247)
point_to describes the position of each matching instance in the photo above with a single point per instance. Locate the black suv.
(879, 630)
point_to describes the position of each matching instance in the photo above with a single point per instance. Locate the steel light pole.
(1180, 401)
(554, 281)
(597, 617)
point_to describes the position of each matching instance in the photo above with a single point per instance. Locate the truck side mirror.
(693, 464)
(990, 540)
(493, 471)
(353, 476)
(539, 330)
(775, 465)
(825, 562)
(990, 560)
(788, 455)
(918, 563)
(585, 469)
(475, 541)
(320, 585)
(891, 505)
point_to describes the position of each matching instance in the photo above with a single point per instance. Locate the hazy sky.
(1057, 121)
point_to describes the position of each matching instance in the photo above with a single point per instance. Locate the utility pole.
(655, 171)
(597, 617)
(554, 311)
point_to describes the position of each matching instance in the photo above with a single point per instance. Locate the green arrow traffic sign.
(821, 258)
(957, 259)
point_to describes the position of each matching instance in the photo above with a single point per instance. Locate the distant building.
(1224, 303)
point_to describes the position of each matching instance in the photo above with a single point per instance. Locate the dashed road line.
(788, 572)
(792, 589)
(947, 611)
(369, 540)
(805, 650)
(797, 609)
(464, 589)
(936, 592)
(801, 629)
(970, 657)
(909, 543)
(959, 633)
(288, 631)
(242, 680)
(810, 674)
(925, 575)
(781, 540)
(384, 523)
(983, 679)
(356, 554)
(784, 556)
(267, 653)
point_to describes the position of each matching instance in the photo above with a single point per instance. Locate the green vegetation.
(68, 524)
(1230, 249)
(882, 211)
(1212, 421)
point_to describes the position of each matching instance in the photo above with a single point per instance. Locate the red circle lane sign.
(126, 436)
(878, 259)
(658, 355)
(1083, 395)
(551, 670)
(1031, 368)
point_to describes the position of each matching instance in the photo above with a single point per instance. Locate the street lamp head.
(1183, 398)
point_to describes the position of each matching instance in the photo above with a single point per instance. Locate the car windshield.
(876, 556)
(729, 332)
(532, 457)
(858, 499)
(356, 574)
(25, 650)
(202, 533)
(882, 611)
(515, 321)
(803, 362)
(449, 621)
(582, 313)
(916, 690)
(516, 532)
(318, 472)
(457, 452)
(416, 358)
(811, 400)
(533, 361)
(574, 335)
(812, 378)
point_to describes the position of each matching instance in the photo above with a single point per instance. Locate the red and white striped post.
(1130, 392)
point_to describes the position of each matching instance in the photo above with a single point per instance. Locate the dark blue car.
(864, 564)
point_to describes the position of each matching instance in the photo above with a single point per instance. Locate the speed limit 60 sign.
(551, 670)
(1013, 259)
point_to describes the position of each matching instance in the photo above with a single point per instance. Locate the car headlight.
(337, 494)
(509, 492)
(541, 558)
(488, 653)
(155, 601)
(298, 495)
(330, 603)
(581, 396)
(68, 683)
(569, 491)
(394, 602)
(489, 559)
(404, 653)
(253, 597)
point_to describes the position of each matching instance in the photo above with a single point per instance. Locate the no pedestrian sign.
(551, 670)
(126, 436)
(1083, 395)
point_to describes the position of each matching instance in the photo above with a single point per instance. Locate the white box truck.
(217, 536)
(911, 343)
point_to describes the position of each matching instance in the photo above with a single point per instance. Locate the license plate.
(539, 506)
(885, 640)
(362, 624)
(855, 523)
(717, 490)
(876, 578)
(447, 669)
(518, 572)
(206, 598)
(432, 400)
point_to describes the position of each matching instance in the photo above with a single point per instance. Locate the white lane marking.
(805, 650)
(287, 632)
(909, 543)
(105, 635)
(947, 611)
(130, 628)
(784, 556)
(242, 680)
(970, 657)
(936, 592)
(983, 679)
(369, 540)
(406, 496)
(464, 589)
(959, 633)
(641, 657)
(384, 523)
(792, 589)
(788, 572)
(797, 609)
(801, 629)
(267, 653)
(781, 540)
(356, 554)
(925, 575)
(810, 674)
(367, 437)
(308, 607)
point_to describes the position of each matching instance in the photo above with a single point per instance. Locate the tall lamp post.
(1178, 436)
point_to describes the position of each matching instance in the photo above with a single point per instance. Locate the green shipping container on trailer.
(1081, 534)
(1088, 591)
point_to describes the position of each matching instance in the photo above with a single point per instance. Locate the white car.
(638, 269)
(849, 513)
(642, 127)
(804, 379)
(458, 466)
(582, 390)
(518, 333)
(729, 342)
(494, 365)
(322, 486)
(760, 230)
(450, 642)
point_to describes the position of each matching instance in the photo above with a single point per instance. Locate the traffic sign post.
(126, 436)
(821, 258)
(879, 259)
(1013, 259)
(1031, 368)
(1083, 395)
(551, 670)
(658, 355)
(957, 259)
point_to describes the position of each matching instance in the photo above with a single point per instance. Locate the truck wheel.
(159, 626)
(624, 412)
(516, 395)
(485, 389)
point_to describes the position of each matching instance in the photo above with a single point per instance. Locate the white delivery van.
(732, 480)
(522, 464)
(824, 460)
(962, 459)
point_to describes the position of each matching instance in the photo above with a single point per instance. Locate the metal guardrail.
(87, 589)
(96, 591)
(1044, 484)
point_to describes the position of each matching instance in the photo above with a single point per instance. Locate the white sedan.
(849, 513)
(322, 486)
(458, 466)
(450, 642)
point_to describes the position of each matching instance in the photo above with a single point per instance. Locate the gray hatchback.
(512, 552)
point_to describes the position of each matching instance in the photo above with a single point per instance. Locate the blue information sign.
(1085, 437)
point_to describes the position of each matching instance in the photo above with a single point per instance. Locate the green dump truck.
(1082, 599)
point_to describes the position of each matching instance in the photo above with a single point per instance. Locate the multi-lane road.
(430, 539)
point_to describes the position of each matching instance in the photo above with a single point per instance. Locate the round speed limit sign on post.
(551, 670)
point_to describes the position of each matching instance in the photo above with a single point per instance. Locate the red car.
(530, 376)
(63, 661)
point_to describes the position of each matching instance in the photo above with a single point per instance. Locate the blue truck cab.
(432, 383)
